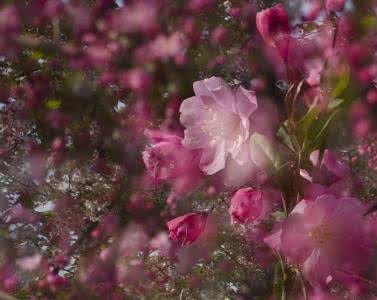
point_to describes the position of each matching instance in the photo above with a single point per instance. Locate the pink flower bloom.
(163, 47)
(217, 121)
(167, 159)
(329, 176)
(319, 294)
(187, 228)
(325, 236)
(138, 16)
(137, 80)
(168, 46)
(311, 10)
(219, 35)
(20, 214)
(272, 23)
(249, 205)
(335, 5)
(29, 263)
(199, 5)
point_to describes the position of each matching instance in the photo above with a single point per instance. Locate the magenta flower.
(217, 121)
(335, 5)
(137, 80)
(319, 294)
(167, 159)
(137, 16)
(325, 237)
(329, 176)
(249, 205)
(272, 23)
(187, 228)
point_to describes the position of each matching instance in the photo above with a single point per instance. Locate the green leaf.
(53, 104)
(278, 215)
(312, 114)
(286, 138)
(326, 125)
(342, 83)
(335, 103)
(262, 152)
(369, 22)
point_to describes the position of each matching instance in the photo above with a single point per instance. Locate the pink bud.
(187, 228)
(249, 205)
(272, 22)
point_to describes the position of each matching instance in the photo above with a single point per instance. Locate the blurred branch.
(6, 296)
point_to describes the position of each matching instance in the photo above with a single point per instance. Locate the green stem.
(304, 293)
(284, 275)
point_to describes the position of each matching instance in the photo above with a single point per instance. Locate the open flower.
(187, 228)
(217, 121)
(326, 237)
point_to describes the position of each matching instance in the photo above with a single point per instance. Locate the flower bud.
(187, 228)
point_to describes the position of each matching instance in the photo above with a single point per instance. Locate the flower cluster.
(198, 149)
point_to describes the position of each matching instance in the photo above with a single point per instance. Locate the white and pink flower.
(217, 121)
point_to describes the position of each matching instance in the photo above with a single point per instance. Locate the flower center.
(322, 234)
(220, 124)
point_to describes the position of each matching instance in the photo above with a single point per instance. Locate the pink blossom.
(272, 23)
(311, 10)
(168, 46)
(249, 205)
(137, 80)
(325, 236)
(163, 47)
(20, 214)
(329, 176)
(219, 35)
(199, 5)
(30, 263)
(335, 5)
(138, 16)
(187, 228)
(319, 294)
(162, 244)
(217, 121)
(167, 159)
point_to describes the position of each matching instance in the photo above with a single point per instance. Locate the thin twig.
(304, 293)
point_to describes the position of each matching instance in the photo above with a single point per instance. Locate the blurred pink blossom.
(167, 159)
(335, 5)
(325, 236)
(329, 176)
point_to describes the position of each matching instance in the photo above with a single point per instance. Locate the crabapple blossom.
(167, 159)
(335, 5)
(217, 121)
(330, 176)
(186, 229)
(324, 237)
(200, 149)
(273, 23)
(250, 206)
